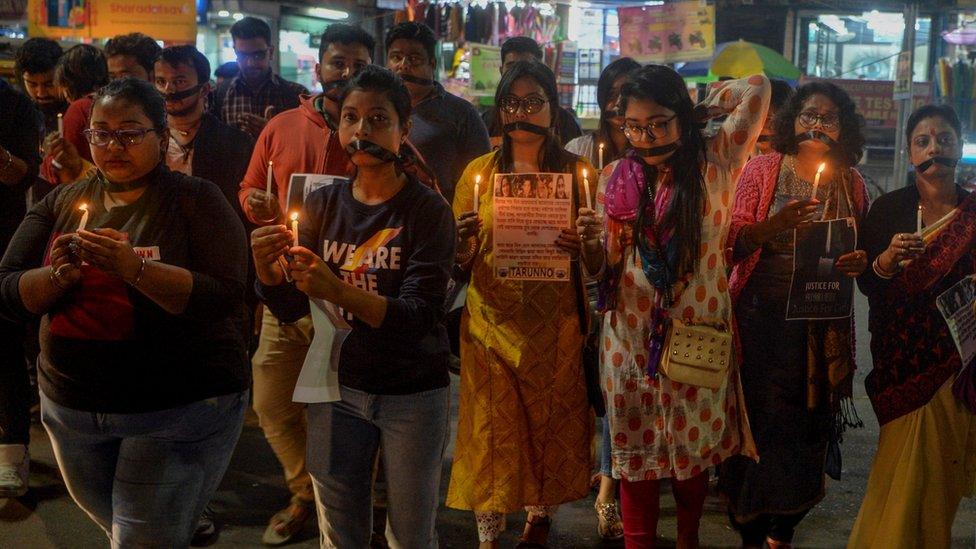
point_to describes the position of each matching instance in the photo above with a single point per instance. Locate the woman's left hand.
(110, 251)
(852, 264)
(312, 276)
(569, 241)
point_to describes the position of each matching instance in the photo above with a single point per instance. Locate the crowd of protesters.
(155, 276)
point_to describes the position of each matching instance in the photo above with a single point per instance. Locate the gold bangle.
(55, 278)
(142, 269)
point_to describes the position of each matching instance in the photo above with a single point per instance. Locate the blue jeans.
(343, 440)
(145, 478)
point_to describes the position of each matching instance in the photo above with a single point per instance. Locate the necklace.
(192, 127)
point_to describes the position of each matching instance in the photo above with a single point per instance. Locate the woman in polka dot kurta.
(664, 429)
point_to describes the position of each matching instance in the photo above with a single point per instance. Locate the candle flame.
(601, 145)
(821, 167)
(584, 173)
(477, 178)
(270, 163)
(83, 207)
(294, 216)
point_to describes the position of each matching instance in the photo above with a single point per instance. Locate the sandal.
(535, 530)
(288, 523)
(610, 527)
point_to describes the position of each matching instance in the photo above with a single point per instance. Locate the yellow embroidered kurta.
(524, 425)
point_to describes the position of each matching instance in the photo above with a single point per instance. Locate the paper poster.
(529, 210)
(669, 33)
(818, 290)
(486, 64)
(903, 77)
(956, 305)
(301, 184)
(874, 101)
(319, 379)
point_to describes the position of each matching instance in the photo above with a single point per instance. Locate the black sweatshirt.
(107, 347)
(18, 135)
(402, 249)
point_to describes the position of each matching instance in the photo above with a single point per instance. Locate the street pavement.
(252, 490)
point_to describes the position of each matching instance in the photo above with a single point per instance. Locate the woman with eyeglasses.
(659, 255)
(139, 274)
(524, 425)
(602, 147)
(797, 375)
(920, 241)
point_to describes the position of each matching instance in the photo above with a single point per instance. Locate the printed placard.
(318, 380)
(956, 305)
(300, 185)
(817, 289)
(529, 211)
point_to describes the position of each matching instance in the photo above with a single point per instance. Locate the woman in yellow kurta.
(524, 424)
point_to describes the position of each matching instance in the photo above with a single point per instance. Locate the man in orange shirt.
(300, 140)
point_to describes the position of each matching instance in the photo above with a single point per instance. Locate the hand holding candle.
(586, 190)
(816, 180)
(477, 191)
(84, 217)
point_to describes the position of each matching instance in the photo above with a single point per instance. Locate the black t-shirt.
(106, 346)
(19, 134)
(402, 249)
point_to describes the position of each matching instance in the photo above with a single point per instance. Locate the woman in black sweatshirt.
(139, 273)
(379, 247)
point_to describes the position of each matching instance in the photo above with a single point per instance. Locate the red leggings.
(640, 505)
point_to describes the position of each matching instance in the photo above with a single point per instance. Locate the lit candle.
(601, 157)
(270, 179)
(816, 180)
(60, 125)
(84, 217)
(294, 228)
(918, 221)
(586, 190)
(477, 191)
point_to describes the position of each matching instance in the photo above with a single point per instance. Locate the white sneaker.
(14, 470)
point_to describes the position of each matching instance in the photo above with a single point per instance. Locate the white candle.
(601, 157)
(270, 179)
(918, 221)
(477, 191)
(816, 180)
(60, 125)
(84, 217)
(586, 190)
(294, 228)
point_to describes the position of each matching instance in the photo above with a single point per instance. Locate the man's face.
(254, 57)
(408, 57)
(172, 79)
(122, 66)
(514, 57)
(41, 89)
(341, 62)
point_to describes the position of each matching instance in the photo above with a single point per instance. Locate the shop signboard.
(167, 20)
(874, 99)
(12, 9)
(486, 64)
(674, 32)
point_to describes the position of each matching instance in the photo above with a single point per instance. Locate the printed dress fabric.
(659, 428)
(524, 425)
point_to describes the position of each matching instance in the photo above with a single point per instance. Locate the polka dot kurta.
(659, 428)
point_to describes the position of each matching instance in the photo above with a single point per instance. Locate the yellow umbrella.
(740, 59)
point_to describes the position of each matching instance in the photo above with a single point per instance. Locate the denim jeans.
(606, 459)
(343, 440)
(145, 478)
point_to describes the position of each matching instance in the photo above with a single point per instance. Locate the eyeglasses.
(943, 140)
(811, 119)
(531, 105)
(412, 60)
(655, 130)
(259, 55)
(102, 138)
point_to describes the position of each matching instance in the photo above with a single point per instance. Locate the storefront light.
(223, 13)
(238, 16)
(326, 13)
